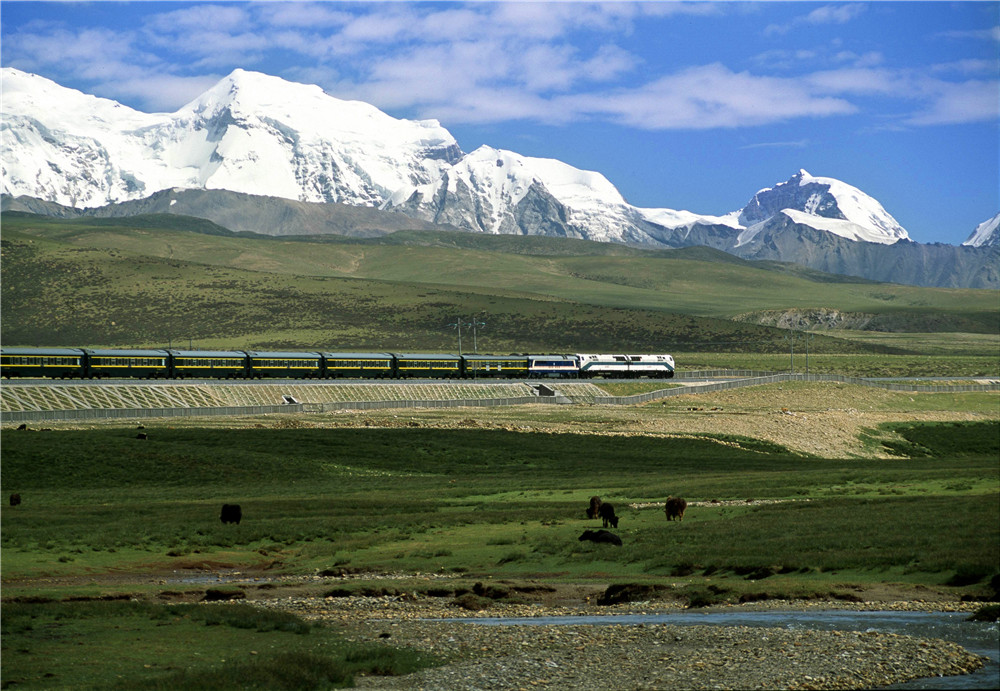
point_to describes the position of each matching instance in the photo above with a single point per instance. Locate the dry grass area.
(828, 420)
(824, 419)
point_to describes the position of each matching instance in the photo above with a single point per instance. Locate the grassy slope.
(94, 296)
(702, 282)
(142, 286)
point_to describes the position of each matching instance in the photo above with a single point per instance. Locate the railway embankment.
(25, 401)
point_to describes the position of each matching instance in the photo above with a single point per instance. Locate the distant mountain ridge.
(241, 212)
(257, 153)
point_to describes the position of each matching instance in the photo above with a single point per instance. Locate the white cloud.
(828, 14)
(869, 59)
(493, 62)
(853, 80)
(304, 15)
(990, 34)
(937, 101)
(966, 102)
(221, 18)
(708, 97)
(971, 66)
(162, 93)
(797, 144)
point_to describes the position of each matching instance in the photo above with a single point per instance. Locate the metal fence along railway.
(42, 401)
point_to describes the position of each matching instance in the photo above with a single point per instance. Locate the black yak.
(675, 508)
(601, 536)
(231, 513)
(608, 515)
(15, 499)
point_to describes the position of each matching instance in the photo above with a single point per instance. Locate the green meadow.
(93, 557)
(477, 502)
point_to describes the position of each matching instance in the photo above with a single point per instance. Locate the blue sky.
(690, 106)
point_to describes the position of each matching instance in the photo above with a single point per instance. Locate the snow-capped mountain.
(825, 204)
(501, 192)
(249, 133)
(260, 135)
(986, 234)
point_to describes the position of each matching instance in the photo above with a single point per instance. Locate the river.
(976, 637)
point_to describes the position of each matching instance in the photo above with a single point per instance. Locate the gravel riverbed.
(643, 656)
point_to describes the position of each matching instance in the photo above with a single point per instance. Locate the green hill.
(151, 281)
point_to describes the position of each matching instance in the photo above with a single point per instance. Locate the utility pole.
(474, 323)
(807, 337)
(457, 324)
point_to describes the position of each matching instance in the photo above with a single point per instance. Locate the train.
(88, 363)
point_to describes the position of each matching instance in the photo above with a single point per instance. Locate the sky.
(692, 106)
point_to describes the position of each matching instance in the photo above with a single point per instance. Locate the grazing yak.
(595, 507)
(15, 499)
(675, 508)
(608, 515)
(601, 536)
(231, 513)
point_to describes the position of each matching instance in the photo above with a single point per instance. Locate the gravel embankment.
(651, 656)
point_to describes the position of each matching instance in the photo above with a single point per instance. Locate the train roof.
(123, 352)
(494, 357)
(427, 356)
(40, 351)
(208, 353)
(282, 354)
(358, 356)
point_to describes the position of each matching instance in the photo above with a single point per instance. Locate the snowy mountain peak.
(826, 200)
(250, 133)
(262, 135)
(986, 234)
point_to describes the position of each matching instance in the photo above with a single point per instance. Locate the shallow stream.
(976, 637)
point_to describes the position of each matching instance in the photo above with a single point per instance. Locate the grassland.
(72, 284)
(497, 500)
(852, 489)
(99, 554)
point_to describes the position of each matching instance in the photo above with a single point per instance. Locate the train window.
(130, 362)
(51, 361)
(286, 363)
(210, 362)
(358, 363)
